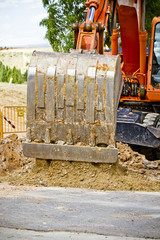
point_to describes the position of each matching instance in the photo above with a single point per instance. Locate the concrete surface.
(59, 213)
(16, 234)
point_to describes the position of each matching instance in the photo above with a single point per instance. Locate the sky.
(19, 23)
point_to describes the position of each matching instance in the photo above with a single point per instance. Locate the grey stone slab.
(115, 215)
(50, 94)
(31, 93)
(40, 103)
(70, 153)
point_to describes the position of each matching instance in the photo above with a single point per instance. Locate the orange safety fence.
(12, 120)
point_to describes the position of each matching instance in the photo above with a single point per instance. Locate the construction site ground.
(132, 171)
(95, 201)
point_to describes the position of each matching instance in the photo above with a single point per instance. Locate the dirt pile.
(131, 172)
(137, 162)
(11, 155)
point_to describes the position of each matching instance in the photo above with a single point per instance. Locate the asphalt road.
(59, 213)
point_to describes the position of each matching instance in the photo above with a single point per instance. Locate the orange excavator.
(138, 120)
(73, 98)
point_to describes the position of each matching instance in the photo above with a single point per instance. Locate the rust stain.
(103, 67)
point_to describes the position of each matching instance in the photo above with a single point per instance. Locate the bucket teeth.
(50, 94)
(73, 98)
(48, 135)
(69, 137)
(28, 135)
(92, 139)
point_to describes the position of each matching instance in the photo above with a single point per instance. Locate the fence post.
(1, 123)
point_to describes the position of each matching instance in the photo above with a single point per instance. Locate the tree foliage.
(6, 73)
(62, 13)
(152, 10)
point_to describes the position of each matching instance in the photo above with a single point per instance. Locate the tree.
(152, 10)
(62, 13)
(17, 77)
(24, 76)
(9, 73)
(1, 71)
(6, 73)
(4, 76)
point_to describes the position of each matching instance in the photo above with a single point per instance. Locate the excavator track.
(72, 102)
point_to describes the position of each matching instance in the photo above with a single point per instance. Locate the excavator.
(80, 103)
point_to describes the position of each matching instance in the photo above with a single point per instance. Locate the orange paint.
(133, 56)
(129, 37)
(143, 46)
(114, 39)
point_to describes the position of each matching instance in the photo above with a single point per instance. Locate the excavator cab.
(155, 75)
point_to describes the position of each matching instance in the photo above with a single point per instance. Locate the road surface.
(59, 213)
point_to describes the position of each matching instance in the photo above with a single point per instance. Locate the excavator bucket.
(72, 102)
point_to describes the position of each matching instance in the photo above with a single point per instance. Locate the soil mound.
(11, 155)
(132, 171)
